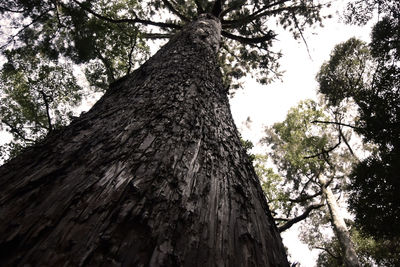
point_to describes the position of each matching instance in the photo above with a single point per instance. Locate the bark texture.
(349, 254)
(153, 175)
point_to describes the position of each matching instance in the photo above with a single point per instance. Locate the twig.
(297, 219)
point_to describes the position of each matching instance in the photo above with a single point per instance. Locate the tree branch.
(25, 27)
(17, 132)
(345, 141)
(246, 40)
(296, 23)
(305, 198)
(257, 14)
(337, 123)
(156, 35)
(130, 56)
(297, 219)
(6, 9)
(126, 20)
(327, 251)
(324, 152)
(46, 103)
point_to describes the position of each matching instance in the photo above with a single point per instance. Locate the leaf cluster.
(303, 151)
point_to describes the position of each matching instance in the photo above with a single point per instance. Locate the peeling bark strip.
(153, 175)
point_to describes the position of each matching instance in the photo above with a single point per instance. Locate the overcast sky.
(270, 103)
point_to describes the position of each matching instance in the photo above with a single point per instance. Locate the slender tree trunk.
(153, 175)
(349, 254)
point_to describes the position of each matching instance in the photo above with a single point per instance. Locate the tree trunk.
(153, 175)
(349, 254)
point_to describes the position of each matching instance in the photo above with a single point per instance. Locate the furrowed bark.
(153, 175)
(349, 254)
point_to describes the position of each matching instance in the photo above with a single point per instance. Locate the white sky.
(268, 104)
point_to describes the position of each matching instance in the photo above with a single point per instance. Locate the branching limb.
(327, 251)
(296, 23)
(46, 103)
(345, 141)
(6, 9)
(130, 55)
(126, 20)
(156, 35)
(17, 132)
(109, 68)
(324, 152)
(247, 40)
(305, 198)
(24, 28)
(337, 123)
(257, 14)
(297, 219)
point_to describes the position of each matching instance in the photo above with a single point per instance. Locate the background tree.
(154, 174)
(314, 166)
(369, 76)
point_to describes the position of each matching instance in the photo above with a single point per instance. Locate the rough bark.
(153, 175)
(349, 254)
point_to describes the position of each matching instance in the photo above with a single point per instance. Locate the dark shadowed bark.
(153, 175)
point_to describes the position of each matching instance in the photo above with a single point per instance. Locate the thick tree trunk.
(349, 254)
(153, 175)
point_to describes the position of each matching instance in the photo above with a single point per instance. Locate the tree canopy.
(108, 39)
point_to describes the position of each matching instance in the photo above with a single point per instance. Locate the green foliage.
(37, 95)
(248, 146)
(369, 75)
(271, 184)
(108, 39)
(114, 34)
(305, 152)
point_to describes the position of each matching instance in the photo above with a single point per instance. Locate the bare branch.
(257, 14)
(24, 28)
(247, 40)
(337, 123)
(130, 55)
(324, 152)
(296, 23)
(156, 35)
(297, 219)
(126, 20)
(16, 131)
(327, 251)
(345, 141)
(46, 103)
(5, 9)
(305, 198)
